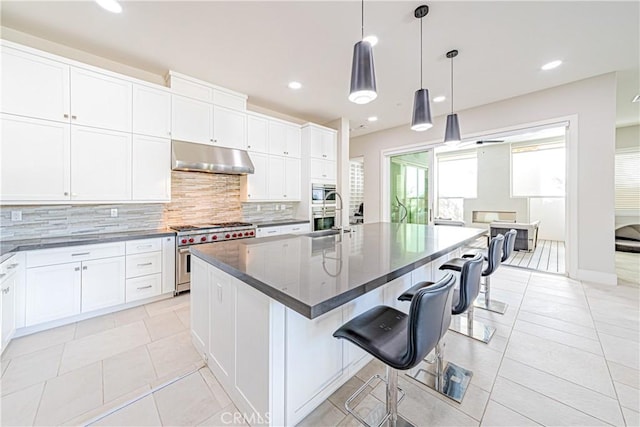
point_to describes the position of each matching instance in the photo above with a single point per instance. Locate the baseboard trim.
(597, 277)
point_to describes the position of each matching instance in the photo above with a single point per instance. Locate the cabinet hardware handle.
(2, 275)
(144, 246)
(324, 155)
(74, 117)
(84, 267)
(211, 140)
(81, 253)
(6, 291)
(248, 146)
(285, 195)
(66, 116)
(12, 266)
(77, 269)
(296, 229)
(145, 264)
(145, 287)
(66, 193)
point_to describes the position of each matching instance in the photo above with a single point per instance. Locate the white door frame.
(571, 196)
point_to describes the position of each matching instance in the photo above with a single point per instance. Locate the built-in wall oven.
(323, 218)
(323, 193)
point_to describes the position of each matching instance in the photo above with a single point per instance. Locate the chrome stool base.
(455, 380)
(472, 329)
(491, 305)
(392, 407)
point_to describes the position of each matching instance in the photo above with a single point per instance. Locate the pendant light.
(452, 132)
(421, 119)
(363, 75)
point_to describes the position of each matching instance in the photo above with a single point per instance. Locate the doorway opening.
(409, 188)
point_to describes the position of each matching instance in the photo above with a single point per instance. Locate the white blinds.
(538, 169)
(458, 174)
(628, 179)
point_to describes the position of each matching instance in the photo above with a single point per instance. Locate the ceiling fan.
(489, 141)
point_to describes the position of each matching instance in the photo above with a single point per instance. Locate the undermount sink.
(324, 233)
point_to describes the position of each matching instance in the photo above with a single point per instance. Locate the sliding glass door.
(409, 188)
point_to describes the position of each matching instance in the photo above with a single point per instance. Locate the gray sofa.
(526, 237)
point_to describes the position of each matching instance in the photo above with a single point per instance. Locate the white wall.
(551, 214)
(593, 102)
(627, 137)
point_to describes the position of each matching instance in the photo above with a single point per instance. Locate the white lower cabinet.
(222, 308)
(10, 282)
(103, 283)
(53, 292)
(143, 287)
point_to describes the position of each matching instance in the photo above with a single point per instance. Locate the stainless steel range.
(197, 234)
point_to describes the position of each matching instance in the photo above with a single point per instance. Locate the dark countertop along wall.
(313, 275)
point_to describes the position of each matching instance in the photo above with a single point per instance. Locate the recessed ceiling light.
(636, 98)
(372, 119)
(295, 85)
(371, 39)
(111, 5)
(439, 98)
(551, 65)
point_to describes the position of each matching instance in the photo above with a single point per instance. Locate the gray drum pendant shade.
(363, 74)
(452, 132)
(421, 119)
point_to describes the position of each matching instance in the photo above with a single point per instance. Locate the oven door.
(183, 272)
(317, 193)
(323, 221)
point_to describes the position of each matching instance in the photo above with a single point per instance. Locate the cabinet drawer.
(144, 245)
(143, 287)
(296, 228)
(73, 254)
(143, 264)
(268, 231)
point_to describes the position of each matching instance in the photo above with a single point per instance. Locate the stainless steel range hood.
(192, 157)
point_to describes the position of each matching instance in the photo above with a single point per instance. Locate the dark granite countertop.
(277, 222)
(315, 275)
(9, 246)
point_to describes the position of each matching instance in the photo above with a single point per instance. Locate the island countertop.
(314, 275)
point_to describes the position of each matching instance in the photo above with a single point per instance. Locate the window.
(628, 179)
(538, 170)
(457, 180)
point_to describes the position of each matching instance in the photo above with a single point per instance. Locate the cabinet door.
(293, 179)
(330, 170)
(103, 283)
(191, 120)
(8, 295)
(277, 138)
(277, 179)
(200, 305)
(229, 128)
(168, 264)
(316, 146)
(292, 137)
(53, 292)
(151, 172)
(151, 111)
(100, 164)
(33, 86)
(257, 134)
(35, 160)
(257, 182)
(324, 170)
(329, 145)
(223, 314)
(100, 101)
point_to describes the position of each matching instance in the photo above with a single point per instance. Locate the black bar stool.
(485, 302)
(453, 380)
(399, 340)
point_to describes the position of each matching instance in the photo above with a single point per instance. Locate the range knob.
(226, 236)
(251, 233)
(214, 237)
(235, 235)
(184, 241)
(191, 240)
(246, 233)
(203, 239)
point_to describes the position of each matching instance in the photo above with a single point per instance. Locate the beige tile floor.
(565, 353)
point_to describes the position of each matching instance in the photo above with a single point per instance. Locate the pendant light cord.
(420, 53)
(362, 16)
(451, 85)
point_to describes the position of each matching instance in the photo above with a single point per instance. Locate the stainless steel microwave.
(320, 192)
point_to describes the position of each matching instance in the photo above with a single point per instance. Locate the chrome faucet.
(338, 209)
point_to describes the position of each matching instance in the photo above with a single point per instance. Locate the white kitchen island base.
(276, 364)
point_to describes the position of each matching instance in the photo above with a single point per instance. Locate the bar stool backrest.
(509, 244)
(469, 284)
(429, 319)
(494, 255)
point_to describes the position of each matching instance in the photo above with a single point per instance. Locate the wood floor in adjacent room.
(548, 257)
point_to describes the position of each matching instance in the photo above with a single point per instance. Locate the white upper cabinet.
(323, 143)
(229, 128)
(257, 134)
(100, 164)
(34, 164)
(151, 168)
(293, 180)
(323, 170)
(277, 178)
(191, 120)
(101, 101)
(151, 111)
(255, 186)
(284, 139)
(33, 86)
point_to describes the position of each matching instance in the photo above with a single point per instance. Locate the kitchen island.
(263, 311)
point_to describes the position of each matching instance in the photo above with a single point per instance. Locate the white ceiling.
(258, 47)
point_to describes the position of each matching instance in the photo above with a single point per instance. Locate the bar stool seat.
(399, 340)
(454, 264)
